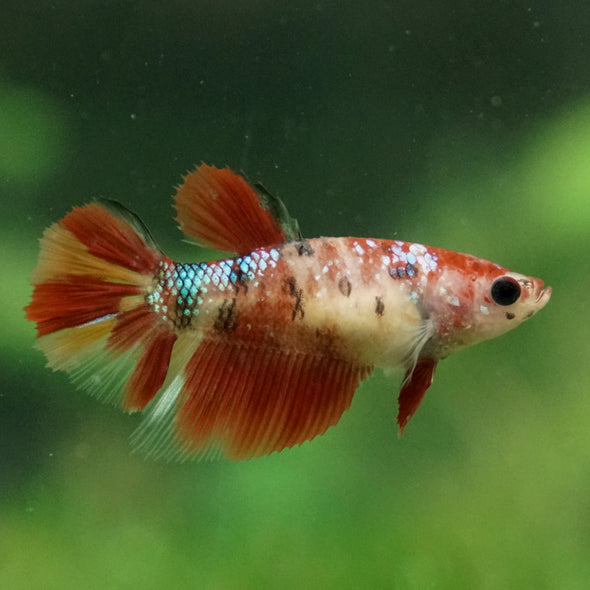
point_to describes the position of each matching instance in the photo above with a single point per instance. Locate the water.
(459, 127)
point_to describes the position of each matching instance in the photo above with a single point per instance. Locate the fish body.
(264, 350)
(316, 296)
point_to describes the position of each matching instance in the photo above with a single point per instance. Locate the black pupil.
(505, 291)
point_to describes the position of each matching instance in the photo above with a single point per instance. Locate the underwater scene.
(334, 160)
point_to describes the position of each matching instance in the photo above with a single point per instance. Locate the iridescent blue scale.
(189, 283)
(186, 284)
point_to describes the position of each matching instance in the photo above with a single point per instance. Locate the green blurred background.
(464, 125)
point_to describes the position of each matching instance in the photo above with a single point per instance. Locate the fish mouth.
(543, 294)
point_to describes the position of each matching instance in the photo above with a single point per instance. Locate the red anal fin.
(221, 210)
(251, 401)
(415, 385)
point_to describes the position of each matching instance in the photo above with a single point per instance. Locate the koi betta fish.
(262, 350)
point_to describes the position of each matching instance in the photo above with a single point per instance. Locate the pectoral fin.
(417, 380)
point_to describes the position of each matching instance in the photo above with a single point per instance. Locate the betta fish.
(264, 349)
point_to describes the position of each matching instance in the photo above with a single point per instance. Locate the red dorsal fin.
(416, 382)
(221, 210)
(247, 401)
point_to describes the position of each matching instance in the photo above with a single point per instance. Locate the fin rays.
(221, 210)
(89, 305)
(244, 402)
(204, 395)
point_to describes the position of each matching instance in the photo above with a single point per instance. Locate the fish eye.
(505, 291)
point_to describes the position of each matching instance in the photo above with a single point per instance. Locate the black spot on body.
(227, 317)
(344, 286)
(379, 306)
(304, 248)
(510, 316)
(182, 319)
(297, 294)
(239, 278)
(242, 282)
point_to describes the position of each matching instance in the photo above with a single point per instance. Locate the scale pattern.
(180, 288)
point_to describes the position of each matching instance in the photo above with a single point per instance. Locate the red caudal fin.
(416, 382)
(221, 210)
(243, 402)
(89, 303)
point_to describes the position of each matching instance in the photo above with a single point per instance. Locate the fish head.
(480, 300)
(503, 302)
